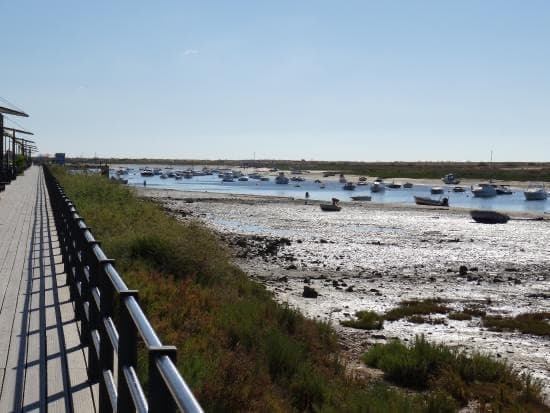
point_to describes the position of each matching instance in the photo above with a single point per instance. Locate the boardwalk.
(42, 363)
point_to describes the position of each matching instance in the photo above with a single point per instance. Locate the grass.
(238, 349)
(366, 320)
(410, 308)
(427, 366)
(527, 323)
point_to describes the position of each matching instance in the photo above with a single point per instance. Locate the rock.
(374, 290)
(473, 269)
(498, 280)
(299, 241)
(378, 336)
(309, 292)
(323, 241)
(334, 283)
(307, 280)
(516, 281)
(291, 267)
(463, 270)
(283, 279)
(432, 279)
(349, 289)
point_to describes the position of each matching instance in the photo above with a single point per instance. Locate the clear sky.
(325, 80)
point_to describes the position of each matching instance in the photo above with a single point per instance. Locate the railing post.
(160, 399)
(106, 347)
(127, 350)
(90, 261)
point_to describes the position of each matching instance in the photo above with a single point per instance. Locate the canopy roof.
(9, 111)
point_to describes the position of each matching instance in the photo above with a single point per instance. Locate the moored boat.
(281, 179)
(535, 192)
(489, 217)
(484, 191)
(393, 185)
(450, 179)
(361, 198)
(459, 189)
(420, 200)
(503, 190)
(407, 185)
(378, 186)
(436, 190)
(349, 186)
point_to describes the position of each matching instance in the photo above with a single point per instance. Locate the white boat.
(378, 186)
(535, 192)
(147, 172)
(484, 191)
(437, 190)
(450, 179)
(228, 177)
(281, 179)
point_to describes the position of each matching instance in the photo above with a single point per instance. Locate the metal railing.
(112, 321)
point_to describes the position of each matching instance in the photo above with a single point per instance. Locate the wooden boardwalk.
(42, 362)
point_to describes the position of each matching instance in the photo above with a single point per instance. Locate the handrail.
(112, 321)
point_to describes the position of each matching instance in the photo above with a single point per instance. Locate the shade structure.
(14, 112)
(15, 130)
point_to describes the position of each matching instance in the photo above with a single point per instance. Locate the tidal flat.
(373, 257)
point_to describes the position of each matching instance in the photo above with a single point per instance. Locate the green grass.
(409, 308)
(527, 323)
(428, 366)
(238, 349)
(366, 320)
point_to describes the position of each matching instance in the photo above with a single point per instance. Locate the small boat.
(255, 175)
(378, 186)
(349, 186)
(298, 179)
(450, 179)
(489, 217)
(503, 190)
(243, 179)
(437, 190)
(407, 185)
(330, 207)
(342, 179)
(484, 191)
(264, 178)
(317, 181)
(322, 186)
(420, 200)
(147, 172)
(361, 198)
(535, 192)
(362, 179)
(228, 177)
(189, 175)
(281, 179)
(459, 189)
(394, 185)
(362, 183)
(163, 175)
(178, 177)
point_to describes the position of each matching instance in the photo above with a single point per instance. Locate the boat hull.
(489, 217)
(419, 200)
(330, 207)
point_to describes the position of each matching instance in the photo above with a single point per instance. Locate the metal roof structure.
(14, 112)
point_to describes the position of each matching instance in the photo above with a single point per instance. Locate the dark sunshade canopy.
(9, 111)
(14, 130)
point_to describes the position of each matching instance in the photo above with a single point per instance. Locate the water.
(333, 189)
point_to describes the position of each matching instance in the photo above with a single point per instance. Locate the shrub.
(366, 320)
(409, 308)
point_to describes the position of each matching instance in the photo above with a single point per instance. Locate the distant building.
(59, 159)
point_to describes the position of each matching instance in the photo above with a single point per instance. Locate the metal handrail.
(112, 321)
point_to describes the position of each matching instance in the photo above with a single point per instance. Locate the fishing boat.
(450, 179)
(407, 185)
(281, 179)
(330, 207)
(349, 186)
(393, 185)
(361, 198)
(484, 191)
(436, 190)
(489, 217)
(420, 200)
(535, 192)
(378, 186)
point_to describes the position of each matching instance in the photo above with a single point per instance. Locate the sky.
(323, 80)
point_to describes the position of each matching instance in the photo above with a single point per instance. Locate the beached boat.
(420, 200)
(450, 179)
(484, 191)
(281, 179)
(436, 190)
(407, 185)
(489, 217)
(349, 186)
(361, 198)
(535, 192)
(330, 207)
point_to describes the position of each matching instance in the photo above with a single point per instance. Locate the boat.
(489, 217)
(394, 185)
(147, 172)
(378, 186)
(189, 174)
(407, 185)
(450, 179)
(298, 179)
(228, 177)
(361, 198)
(330, 207)
(178, 176)
(281, 179)
(255, 175)
(362, 183)
(264, 178)
(484, 191)
(420, 200)
(349, 186)
(535, 192)
(342, 179)
(503, 190)
(243, 179)
(459, 189)
(163, 175)
(437, 190)
(362, 179)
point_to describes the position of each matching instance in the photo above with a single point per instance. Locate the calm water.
(211, 183)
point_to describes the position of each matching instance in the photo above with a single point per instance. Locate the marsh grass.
(366, 320)
(428, 366)
(409, 308)
(527, 323)
(237, 348)
(460, 316)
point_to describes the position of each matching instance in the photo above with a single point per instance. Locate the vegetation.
(410, 308)
(237, 348)
(366, 320)
(462, 377)
(527, 323)
(460, 315)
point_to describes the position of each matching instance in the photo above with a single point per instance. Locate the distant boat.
(394, 185)
(330, 207)
(281, 179)
(407, 185)
(349, 186)
(503, 190)
(489, 217)
(459, 189)
(484, 191)
(362, 179)
(378, 186)
(342, 179)
(243, 179)
(362, 183)
(228, 177)
(264, 178)
(535, 192)
(450, 179)
(420, 200)
(147, 172)
(436, 190)
(361, 198)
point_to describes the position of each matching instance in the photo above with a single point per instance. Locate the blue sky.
(326, 80)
